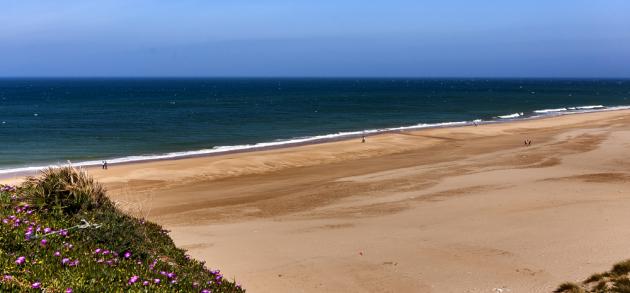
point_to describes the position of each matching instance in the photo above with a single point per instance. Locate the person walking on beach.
(104, 165)
(363, 139)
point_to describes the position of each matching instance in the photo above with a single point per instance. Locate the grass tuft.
(621, 285)
(616, 280)
(569, 288)
(68, 188)
(621, 268)
(595, 278)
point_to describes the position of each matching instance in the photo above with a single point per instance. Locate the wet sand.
(466, 209)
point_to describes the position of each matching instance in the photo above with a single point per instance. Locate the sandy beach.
(465, 209)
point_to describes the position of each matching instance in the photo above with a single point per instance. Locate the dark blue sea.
(51, 121)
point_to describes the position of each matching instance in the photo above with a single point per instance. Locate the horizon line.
(310, 77)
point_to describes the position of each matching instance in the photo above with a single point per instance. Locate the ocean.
(52, 121)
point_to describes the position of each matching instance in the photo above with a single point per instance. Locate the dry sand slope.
(465, 209)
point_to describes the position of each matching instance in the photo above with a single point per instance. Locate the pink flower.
(36, 285)
(47, 230)
(157, 281)
(57, 253)
(68, 290)
(43, 242)
(133, 279)
(145, 283)
(20, 260)
(65, 261)
(97, 251)
(127, 254)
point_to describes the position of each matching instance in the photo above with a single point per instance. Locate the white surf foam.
(590, 107)
(543, 111)
(511, 116)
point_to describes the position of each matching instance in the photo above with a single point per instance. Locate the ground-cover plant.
(60, 233)
(616, 280)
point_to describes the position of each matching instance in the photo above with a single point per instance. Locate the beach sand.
(465, 209)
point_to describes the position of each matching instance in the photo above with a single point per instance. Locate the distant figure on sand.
(363, 139)
(528, 142)
(104, 165)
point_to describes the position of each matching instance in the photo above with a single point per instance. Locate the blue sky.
(324, 38)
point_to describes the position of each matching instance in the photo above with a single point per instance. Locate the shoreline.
(7, 174)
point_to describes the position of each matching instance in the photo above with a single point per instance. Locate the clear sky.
(322, 38)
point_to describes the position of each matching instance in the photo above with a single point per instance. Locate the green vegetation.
(60, 233)
(616, 280)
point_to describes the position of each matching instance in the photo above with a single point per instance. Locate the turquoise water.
(50, 121)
